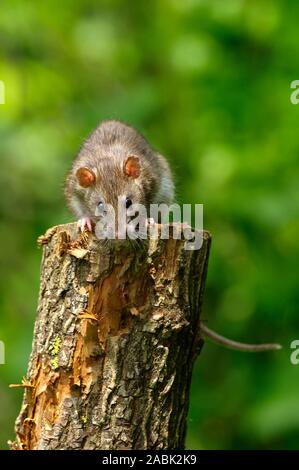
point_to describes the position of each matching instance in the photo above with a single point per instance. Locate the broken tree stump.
(115, 339)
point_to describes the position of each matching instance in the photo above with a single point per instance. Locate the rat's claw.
(84, 222)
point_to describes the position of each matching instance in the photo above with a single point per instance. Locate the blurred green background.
(208, 83)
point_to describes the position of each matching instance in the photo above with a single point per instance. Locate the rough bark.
(115, 339)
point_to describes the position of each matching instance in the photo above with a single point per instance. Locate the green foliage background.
(208, 83)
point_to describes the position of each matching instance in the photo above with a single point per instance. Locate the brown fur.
(105, 153)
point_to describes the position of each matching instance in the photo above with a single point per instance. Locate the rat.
(116, 161)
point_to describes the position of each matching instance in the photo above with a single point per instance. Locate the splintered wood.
(114, 343)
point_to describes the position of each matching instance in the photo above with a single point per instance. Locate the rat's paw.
(84, 222)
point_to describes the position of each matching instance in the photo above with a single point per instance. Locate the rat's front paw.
(84, 222)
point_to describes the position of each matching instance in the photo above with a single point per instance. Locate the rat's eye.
(101, 209)
(128, 202)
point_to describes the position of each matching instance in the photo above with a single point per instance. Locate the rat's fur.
(105, 152)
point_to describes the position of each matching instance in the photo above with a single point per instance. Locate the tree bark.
(115, 339)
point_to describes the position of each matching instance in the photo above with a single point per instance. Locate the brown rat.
(116, 161)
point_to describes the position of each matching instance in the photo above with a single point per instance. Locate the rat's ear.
(132, 166)
(85, 177)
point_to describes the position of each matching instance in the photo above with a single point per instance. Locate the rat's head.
(111, 185)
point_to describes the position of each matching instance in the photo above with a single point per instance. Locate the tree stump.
(115, 339)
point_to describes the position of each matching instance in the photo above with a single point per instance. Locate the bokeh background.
(208, 83)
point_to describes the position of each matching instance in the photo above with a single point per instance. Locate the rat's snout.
(108, 225)
(120, 230)
(118, 222)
